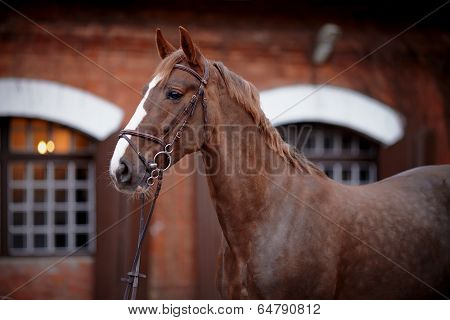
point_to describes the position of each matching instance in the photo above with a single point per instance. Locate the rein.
(154, 173)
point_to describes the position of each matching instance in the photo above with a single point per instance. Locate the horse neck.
(238, 164)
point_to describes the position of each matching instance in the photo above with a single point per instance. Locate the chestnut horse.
(288, 230)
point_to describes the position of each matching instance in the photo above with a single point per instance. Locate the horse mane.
(246, 94)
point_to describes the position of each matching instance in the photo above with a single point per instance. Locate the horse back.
(404, 219)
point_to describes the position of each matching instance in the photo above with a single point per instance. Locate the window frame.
(353, 159)
(7, 157)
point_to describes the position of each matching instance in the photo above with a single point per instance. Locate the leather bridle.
(151, 167)
(155, 173)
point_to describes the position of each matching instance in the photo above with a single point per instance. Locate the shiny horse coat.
(289, 232)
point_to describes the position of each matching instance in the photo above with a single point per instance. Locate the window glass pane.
(39, 218)
(61, 171)
(60, 195)
(81, 195)
(40, 195)
(18, 134)
(18, 140)
(329, 172)
(81, 142)
(310, 143)
(364, 174)
(18, 195)
(18, 171)
(39, 171)
(18, 123)
(19, 241)
(364, 145)
(62, 140)
(39, 131)
(81, 172)
(81, 217)
(81, 239)
(346, 142)
(19, 218)
(60, 240)
(328, 142)
(38, 136)
(60, 218)
(40, 240)
(346, 174)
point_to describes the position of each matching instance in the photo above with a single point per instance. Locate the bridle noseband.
(151, 167)
(156, 173)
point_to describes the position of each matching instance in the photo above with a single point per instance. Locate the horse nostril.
(123, 172)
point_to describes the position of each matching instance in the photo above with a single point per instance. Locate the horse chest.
(274, 274)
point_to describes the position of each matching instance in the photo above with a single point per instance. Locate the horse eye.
(174, 95)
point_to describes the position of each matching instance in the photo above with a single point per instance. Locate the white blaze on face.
(138, 116)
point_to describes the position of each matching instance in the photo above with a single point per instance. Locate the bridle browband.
(155, 173)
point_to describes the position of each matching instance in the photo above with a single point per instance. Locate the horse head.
(170, 121)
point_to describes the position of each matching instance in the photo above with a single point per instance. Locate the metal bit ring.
(167, 154)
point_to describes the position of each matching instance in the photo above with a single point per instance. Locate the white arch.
(334, 105)
(59, 103)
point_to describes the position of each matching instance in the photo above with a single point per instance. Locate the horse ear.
(190, 49)
(164, 46)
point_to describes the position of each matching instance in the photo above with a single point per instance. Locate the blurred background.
(60, 114)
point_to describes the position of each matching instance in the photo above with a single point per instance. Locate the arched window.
(343, 154)
(344, 128)
(48, 188)
(335, 106)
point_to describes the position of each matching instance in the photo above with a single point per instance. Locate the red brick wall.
(70, 279)
(172, 265)
(268, 49)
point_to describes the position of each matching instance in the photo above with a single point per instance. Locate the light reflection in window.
(41, 137)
